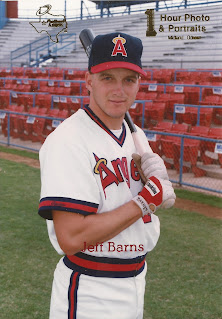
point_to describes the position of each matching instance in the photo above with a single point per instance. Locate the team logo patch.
(119, 46)
(117, 172)
(101, 160)
(152, 188)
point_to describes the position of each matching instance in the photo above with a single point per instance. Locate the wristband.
(144, 206)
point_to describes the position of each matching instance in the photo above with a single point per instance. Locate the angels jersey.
(88, 169)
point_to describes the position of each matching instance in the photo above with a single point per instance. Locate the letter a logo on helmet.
(119, 46)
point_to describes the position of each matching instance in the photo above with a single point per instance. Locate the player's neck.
(113, 123)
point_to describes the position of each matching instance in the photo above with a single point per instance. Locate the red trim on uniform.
(105, 267)
(68, 205)
(116, 64)
(74, 282)
(95, 118)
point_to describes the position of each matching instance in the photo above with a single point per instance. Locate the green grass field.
(184, 271)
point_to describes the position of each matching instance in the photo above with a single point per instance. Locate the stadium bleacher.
(158, 52)
(56, 96)
(44, 96)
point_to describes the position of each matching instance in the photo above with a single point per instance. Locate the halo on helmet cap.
(116, 50)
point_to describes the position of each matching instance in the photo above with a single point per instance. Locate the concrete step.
(213, 171)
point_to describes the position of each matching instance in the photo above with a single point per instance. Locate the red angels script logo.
(119, 46)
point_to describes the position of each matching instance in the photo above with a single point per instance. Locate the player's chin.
(118, 109)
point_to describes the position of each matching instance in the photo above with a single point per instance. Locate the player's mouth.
(118, 101)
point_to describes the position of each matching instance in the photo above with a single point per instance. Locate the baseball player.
(100, 214)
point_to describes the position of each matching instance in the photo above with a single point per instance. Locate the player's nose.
(118, 88)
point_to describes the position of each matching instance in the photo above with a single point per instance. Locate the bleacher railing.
(90, 12)
(181, 179)
(15, 93)
(214, 72)
(25, 81)
(152, 87)
(42, 49)
(181, 109)
(4, 113)
(178, 88)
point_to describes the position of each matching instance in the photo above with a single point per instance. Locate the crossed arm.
(72, 230)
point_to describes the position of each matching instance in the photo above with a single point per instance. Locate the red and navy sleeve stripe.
(47, 204)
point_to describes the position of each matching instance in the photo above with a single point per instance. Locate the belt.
(105, 266)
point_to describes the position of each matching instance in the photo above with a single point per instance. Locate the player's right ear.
(88, 79)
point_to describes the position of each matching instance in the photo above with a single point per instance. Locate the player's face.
(112, 92)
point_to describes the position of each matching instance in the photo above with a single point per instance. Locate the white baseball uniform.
(88, 169)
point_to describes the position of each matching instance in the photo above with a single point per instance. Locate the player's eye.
(130, 80)
(107, 78)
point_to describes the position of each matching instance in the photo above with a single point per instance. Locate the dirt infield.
(20, 159)
(181, 203)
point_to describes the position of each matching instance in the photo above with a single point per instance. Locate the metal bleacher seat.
(73, 104)
(167, 144)
(179, 128)
(56, 73)
(174, 98)
(136, 112)
(190, 154)
(43, 100)
(155, 113)
(15, 121)
(4, 99)
(163, 97)
(163, 75)
(14, 126)
(18, 72)
(209, 147)
(212, 100)
(49, 124)
(199, 131)
(4, 120)
(141, 95)
(161, 127)
(191, 116)
(171, 149)
(74, 74)
(26, 124)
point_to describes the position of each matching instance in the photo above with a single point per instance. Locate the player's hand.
(150, 164)
(156, 193)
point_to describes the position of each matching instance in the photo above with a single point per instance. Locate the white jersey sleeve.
(66, 182)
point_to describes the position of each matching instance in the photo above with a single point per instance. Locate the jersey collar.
(96, 119)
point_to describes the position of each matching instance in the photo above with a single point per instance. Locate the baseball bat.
(86, 37)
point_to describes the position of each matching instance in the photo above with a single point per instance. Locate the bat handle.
(145, 148)
(140, 145)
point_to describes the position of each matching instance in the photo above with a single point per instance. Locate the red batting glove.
(155, 193)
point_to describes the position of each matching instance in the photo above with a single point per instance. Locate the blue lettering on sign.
(30, 120)
(178, 89)
(2, 115)
(56, 123)
(180, 109)
(217, 91)
(152, 87)
(218, 148)
(216, 73)
(151, 137)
